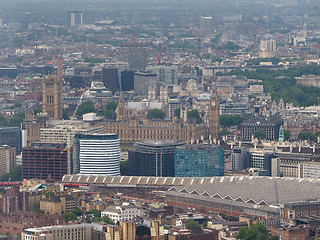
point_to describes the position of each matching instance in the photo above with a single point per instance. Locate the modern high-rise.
(52, 93)
(203, 160)
(98, 154)
(75, 18)
(11, 136)
(261, 161)
(43, 160)
(268, 48)
(110, 78)
(240, 158)
(144, 80)
(206, 25)
(165, 74)
(136, 54)
(127, 80)
(7, 158)
(153, 158)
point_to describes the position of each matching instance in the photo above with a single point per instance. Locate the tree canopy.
(192, 224)
(69, 216)
(260, 134)
(15, 174)
(17, 119)
(156, 114)
(124, 167)
(194, 114)
(108, 220)
(255, 232)
(307, 136)
(86, 107)
(230, 120)
(110, 110)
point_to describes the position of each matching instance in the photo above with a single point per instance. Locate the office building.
(63, 232)
(10, 72)
(270, 126)
(165, 74)
(202, 160)
(261, 160)
(144, 80)
(12, 137)
(127, 80)
(52, 93)
(13, 200)
(75, 18)
(153, 158)
(240, 158)
(136, 54)
(121, 213)
(268, 48)
(174, 104)
(98, 154)
(43, 160)
(110, 78)
(7, 158)
(206, 25)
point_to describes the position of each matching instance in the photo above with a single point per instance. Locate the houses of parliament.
(130, 127)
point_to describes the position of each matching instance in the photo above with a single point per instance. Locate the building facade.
(14, 200)
(7, 158)
(52, 93)
(110, 78)
(43, 160)
(199, 161)
(153, 158)
(98, 154)
(11, 136)
(75, 18)
(240, 158)
(121, 213)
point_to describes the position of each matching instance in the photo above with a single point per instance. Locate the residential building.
(58, 204)
(153, 158)
(97, 154)
(173, 104)
(121, 213)
(7, 158)
(43, 160)
(309, 80)
(202, 160)
(13, 199)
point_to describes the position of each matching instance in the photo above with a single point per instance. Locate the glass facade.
(199, 161)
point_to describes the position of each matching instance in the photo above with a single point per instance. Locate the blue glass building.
(202, 160)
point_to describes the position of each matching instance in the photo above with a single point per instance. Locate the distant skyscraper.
(98, 154)
(1, 22)
(165, 74)
(268, 48)
(144, 80)
(136, 54)
(75, 18)
(110, 78)
(127, 80)
(206, 25)
(52, 93)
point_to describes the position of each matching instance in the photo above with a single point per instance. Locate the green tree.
(110, 110)
(230, 120)
(86, 107)
(65, 114)
(177, 113)
(225, 132)
(255, 232)
(50, 194)
(194, 114)
(260, 134)
(96, 213)
(108, 220)
(69, 216)
(3, 121)
(77, 212)
(307, 136)
(156, 114)
(124, 170)
(17, 119)
(15, 174)
(36, 111)
(192, 224)
(287, 134)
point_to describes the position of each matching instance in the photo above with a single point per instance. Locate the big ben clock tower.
(214, 114)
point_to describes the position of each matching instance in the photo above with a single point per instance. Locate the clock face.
(213, 104)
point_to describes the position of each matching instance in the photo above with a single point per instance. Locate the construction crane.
(77, 107)
(159, 54)
(124, 39)
(278, 206)
(134, 40)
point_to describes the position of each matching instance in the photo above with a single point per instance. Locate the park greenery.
(260, 134)
(96, 213)
(192, 224)
(110, 110)
(255, 232)
(194, 115)
(308, 136)
(14, 175)
(225, 132)
(282, 84)
(156, 114)
(230, 120)
(287, 134)
(86, 107)
(108, 220)
(77, 212)
(69, 216)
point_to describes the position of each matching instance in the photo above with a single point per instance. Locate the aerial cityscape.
(160, 120)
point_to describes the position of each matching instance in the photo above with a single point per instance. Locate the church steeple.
(121, 110)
